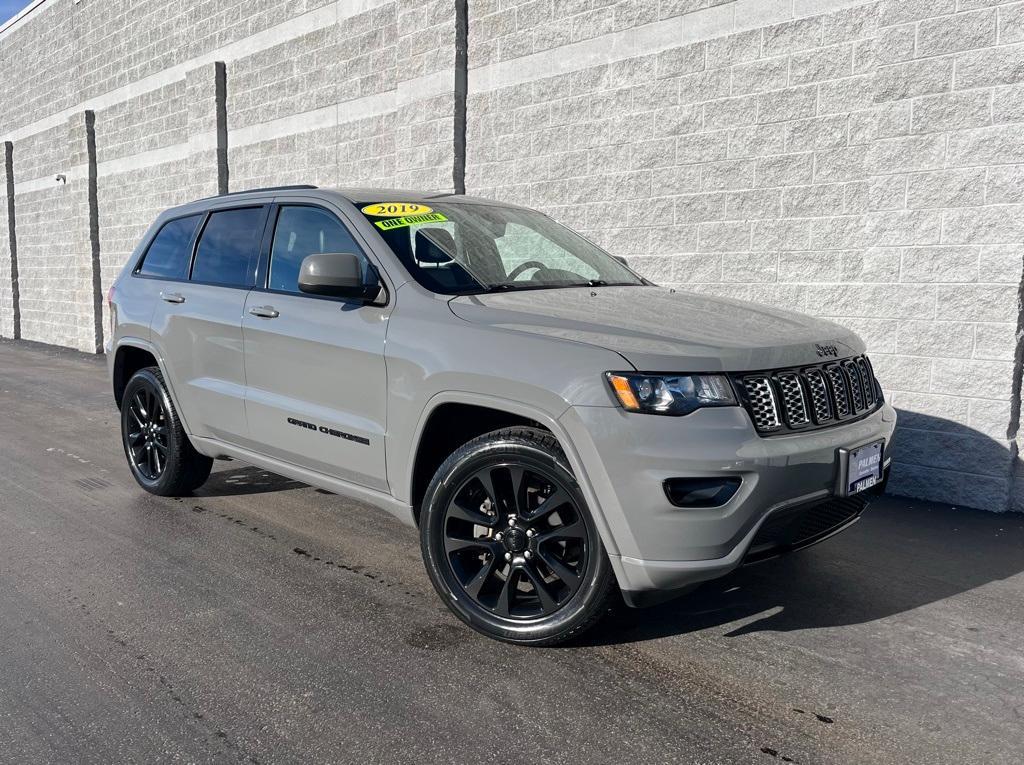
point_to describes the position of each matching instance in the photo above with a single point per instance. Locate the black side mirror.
(622, 260)
(338, 274)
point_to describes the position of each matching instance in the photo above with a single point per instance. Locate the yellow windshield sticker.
(410, 220)
(396, 209)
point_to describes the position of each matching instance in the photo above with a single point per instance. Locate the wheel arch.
(135, 349)
(419, 472)
(131, 355)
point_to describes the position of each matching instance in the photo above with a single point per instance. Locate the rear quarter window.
(168, 255)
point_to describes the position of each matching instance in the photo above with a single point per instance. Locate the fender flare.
(145, 345)
(549, 421)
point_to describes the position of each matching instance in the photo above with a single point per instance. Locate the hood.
(659, 330)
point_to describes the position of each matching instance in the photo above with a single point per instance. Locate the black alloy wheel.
(147, 443)
(515, 541)
(509, 542)
(159, 452)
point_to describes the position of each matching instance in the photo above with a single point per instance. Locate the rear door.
(316, 385)
(197, 323)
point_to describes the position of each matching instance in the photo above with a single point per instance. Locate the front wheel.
(162, 459)
(509, 543)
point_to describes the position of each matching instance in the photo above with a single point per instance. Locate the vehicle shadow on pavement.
(902, 555)
(241, 481)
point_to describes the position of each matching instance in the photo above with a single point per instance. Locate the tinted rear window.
(229, 248)
(168, 255)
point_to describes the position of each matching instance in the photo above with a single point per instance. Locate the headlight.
(670, 394)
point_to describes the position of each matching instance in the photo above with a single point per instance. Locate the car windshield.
(460, 248)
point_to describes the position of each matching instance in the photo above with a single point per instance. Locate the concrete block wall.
(861, 161)
(861, 164)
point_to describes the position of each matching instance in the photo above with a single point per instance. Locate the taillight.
(111, 310)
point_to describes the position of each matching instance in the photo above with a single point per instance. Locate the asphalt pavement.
(265, 621)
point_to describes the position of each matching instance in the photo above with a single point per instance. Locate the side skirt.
(215, 448)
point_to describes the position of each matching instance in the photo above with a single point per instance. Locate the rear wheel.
(162, 459)
(509, 543)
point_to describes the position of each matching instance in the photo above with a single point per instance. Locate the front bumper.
(656, 547)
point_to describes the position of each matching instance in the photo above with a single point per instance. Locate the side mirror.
(337, 274)
(622, 260)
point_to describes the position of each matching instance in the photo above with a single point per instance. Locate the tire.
(509, 543)
(160, 456)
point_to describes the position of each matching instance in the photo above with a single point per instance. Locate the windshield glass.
(461, 248)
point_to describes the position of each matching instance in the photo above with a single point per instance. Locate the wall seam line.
(94, 230)
(461, 89)
(12, 239)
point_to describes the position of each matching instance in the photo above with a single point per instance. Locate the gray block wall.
(862, 161)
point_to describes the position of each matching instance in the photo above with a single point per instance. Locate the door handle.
(172, 297)
(264, 311)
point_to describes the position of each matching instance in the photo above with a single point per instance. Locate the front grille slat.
(787, 400)
(794, 403)
(819, 395)
(837, 385)
(762, 403)
(856, 388)
(867, 381)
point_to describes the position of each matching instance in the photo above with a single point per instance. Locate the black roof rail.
(273, 188)
(295, 187)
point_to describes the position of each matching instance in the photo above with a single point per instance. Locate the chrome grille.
(794, 402)
(761, 399)
(837, 385)
(856, 388)
(817, 396)
(867, 379)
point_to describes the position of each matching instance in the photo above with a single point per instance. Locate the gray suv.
(564, 433)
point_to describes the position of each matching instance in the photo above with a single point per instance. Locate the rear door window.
(302, 231)
(169, 253)
(229, 246)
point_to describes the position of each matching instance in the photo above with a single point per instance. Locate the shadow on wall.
(903, 554)
(944, 460)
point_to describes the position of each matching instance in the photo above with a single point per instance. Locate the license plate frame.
(860, 468)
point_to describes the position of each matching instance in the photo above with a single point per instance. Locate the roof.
(357, 195)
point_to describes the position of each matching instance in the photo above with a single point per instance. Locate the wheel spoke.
(156, 460)
(485, 477)
(517, 475)
(560, 569)
(133, 437)
(160, 448)
(506, 598)
(461, 510)
(474, 585)
(573, 530)
(140, 406)
(454, 544)
(135, 416)
(559, 499)
(547, 600)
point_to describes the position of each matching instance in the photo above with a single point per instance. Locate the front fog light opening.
(701, 492)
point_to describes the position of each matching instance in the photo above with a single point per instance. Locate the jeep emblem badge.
(826, 350)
